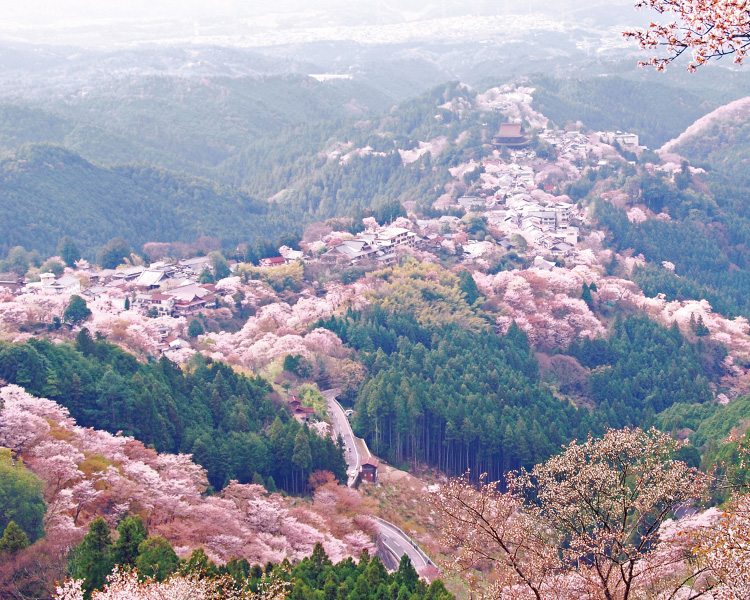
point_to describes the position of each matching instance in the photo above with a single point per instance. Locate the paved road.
(399, 543)
(392, 537)
(341, 426)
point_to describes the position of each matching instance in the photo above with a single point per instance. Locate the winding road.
(395, 540)
(399, 544)
(342, 427)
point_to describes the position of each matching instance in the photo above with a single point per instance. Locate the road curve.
(394, 539)
(342, 427)
(399, 543)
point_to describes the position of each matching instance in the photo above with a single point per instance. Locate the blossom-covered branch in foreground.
(707, 28)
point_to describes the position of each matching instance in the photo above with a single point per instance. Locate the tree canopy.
(585, 524)
(21, 499)
(77, 311)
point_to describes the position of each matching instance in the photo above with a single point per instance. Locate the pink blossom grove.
(88, 473)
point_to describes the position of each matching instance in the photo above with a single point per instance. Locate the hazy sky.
(30, 11)
(115, 22)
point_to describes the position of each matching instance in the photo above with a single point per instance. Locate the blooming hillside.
(88, 473)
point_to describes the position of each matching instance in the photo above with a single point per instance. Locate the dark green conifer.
(586, 296)
(13, 540)
(132, 533)
(157, 559)
(91, 560)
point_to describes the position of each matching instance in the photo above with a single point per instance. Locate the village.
(513, 209)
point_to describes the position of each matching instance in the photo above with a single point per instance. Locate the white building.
(622, 138)
(390, 237)
(66, 285)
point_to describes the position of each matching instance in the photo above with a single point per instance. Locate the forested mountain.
(719, 142)
(443, 388)
(656, 111)
(184, 124)
(225, 420)
(711, 266)
(709, 209)
(48, 192)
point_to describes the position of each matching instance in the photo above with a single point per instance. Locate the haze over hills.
(292, 21)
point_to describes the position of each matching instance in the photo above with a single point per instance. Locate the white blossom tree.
(125, 585)
(584, 525)
(724, 547)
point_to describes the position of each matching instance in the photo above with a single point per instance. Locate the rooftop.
(510, 130)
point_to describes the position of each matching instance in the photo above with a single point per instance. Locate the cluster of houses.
(379, 244)
(505, 198)
(186, 299)
(501, 179)
(548, 226)
(507, 179)
(48, 284)
(160, 289)
(570, 145)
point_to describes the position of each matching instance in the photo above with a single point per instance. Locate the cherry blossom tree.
(88, 473)
(724, 546)
(126, 585)
(545, 304)
(636, 215)
(707, 29)
(727, 551)
(585, 524)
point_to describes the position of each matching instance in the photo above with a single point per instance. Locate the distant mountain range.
(99, 24)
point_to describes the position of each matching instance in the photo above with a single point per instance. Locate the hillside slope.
(88, 473)
(655, 111)
(47, 192)
(719, 141)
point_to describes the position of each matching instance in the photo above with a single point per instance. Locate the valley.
(341, 311)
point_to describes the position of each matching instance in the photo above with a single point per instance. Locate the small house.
(11, 282)
(369, 469)
(67, 285)
(274, 261)
(303, 413)
(129, 273)
(150, 279)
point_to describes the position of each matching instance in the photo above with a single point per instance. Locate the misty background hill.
(241, 100)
